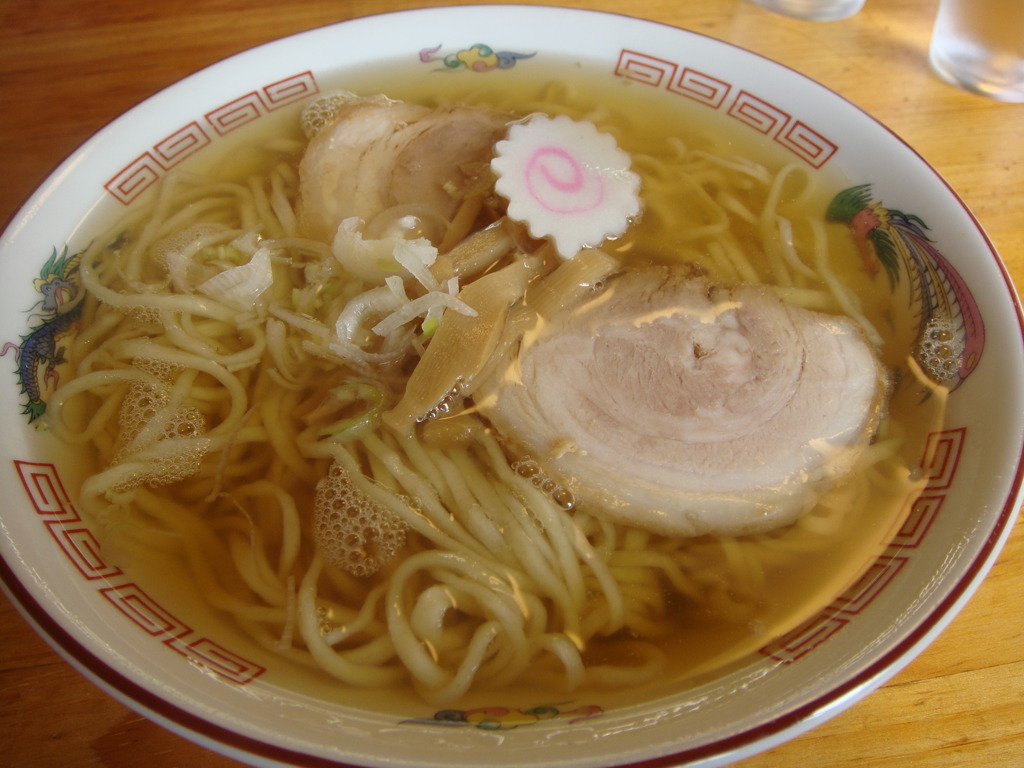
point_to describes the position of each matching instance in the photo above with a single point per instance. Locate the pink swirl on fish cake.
(558, 182)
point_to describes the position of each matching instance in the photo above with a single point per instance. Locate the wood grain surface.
(67, 67)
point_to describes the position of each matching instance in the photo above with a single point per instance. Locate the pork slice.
(690, 409)
(377, 153)
(450, 149)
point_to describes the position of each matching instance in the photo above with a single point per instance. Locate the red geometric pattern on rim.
(644, 69)
(241, 111)
(805, 638)
(135, 178)
(149, 615)
(49, 498)
(83, 550)
(160, 623)
(142, 172)
(941, 458)
(870, 585)
(757, 113)
(46, 491)
(180, 144)
(290, 90)
(700, 87)
(51, 501)
(225, 663)
(923, 511)
(807, 143)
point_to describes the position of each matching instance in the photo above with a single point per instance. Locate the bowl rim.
(758, 738)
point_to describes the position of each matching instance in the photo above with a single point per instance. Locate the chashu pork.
(376, 154)
(689, 409)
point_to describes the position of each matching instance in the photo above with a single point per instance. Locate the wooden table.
(67, 67)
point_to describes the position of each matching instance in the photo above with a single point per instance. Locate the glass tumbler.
(814, 10)
(978, 45)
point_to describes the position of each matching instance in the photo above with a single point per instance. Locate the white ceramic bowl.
(194, 675)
